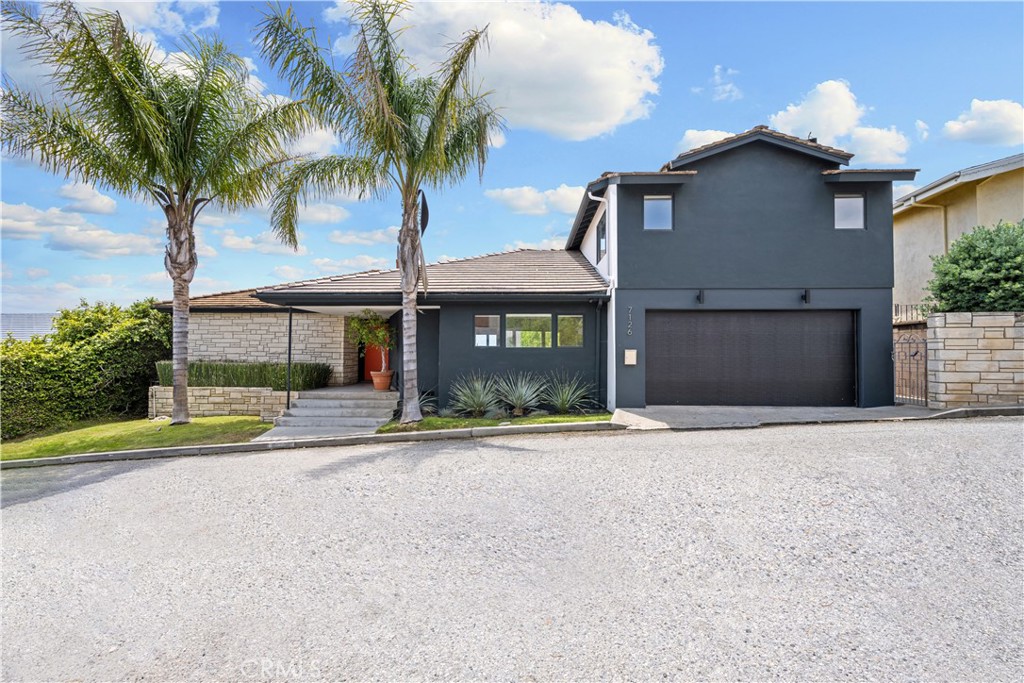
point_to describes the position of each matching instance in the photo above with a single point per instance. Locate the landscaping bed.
(132, 434)
(438, 423)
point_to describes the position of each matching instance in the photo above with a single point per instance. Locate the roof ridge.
(768, 131)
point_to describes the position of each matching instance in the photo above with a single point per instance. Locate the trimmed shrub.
(474, 395)
(99, 362)
(520, 391)
(983, 271)
(567, 394)
(203, 373)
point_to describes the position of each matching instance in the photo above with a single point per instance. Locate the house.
(928, 220)
(751, 271)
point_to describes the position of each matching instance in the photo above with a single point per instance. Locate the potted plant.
(371, 329)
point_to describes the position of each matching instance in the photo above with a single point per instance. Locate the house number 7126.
(629, 321)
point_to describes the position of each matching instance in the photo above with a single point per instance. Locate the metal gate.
(909, 356)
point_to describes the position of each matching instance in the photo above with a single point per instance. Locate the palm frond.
(319, 178)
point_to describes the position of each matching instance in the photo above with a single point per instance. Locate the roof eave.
(578, 224)
(868, 176)
(376, 298)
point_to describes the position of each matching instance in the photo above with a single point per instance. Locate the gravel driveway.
(838, 552)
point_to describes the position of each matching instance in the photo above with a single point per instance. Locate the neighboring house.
(24, 326)
(928, 220)
(751, 271)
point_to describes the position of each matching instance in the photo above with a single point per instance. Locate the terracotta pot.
(382, 380)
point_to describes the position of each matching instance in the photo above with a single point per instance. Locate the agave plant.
(568, 394)
(474, 395)
(521, 391)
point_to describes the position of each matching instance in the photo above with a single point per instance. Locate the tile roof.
(763, 130)
(523, 271)
(240, 299)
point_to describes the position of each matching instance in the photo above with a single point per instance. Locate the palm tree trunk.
(180, 261)
(409, 266)
(179, 353)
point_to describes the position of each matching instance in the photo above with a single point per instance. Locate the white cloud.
(693, 139)
(989, 122)
(319, 141)
(830, 112)
(902, 190)
(171, 18)
(922, 129)
(159, 278)
(879, 145)
(531, 201)
(366, 237)
(553, 242)
(36, 273)
(323, 213)
(95, 281)
(87, 199)
(351, 265)
(549, 68)
(265, 243)
(722, 87)
(208, 285)
(71, 232)
(289, 272)
(497, 139)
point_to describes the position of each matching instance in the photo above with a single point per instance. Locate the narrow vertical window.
(658, 213)
(570, 331)
(602, 239)
(849, 212)
(487, 329)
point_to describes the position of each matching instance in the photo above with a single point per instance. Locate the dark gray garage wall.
(873, 330)
(459, 356)
(756, 216)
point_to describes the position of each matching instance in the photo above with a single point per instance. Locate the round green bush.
(983, 271)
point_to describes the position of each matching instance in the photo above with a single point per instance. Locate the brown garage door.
(754, 358)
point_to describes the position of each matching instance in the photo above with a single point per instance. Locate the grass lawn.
(432, 423)
(131, 434)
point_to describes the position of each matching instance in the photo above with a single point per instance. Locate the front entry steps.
(333, 411)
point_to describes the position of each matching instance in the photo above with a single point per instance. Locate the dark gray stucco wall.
(426, 349)
(753, 229)
(874, 330)
(458, 354)
(756, 216)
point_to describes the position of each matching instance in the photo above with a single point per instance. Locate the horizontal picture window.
(527, 331)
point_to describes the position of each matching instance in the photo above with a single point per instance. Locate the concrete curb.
(354, 440)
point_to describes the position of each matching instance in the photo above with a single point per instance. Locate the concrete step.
(344, 403)
(291, 433)
(368, 422)
(318, 411)
(339, 393)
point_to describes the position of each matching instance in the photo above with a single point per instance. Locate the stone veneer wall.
(975, 359)
(213, 401)
(263, 336)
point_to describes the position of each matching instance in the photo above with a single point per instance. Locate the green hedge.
(97, 363)
(237, 374)
(983, 271)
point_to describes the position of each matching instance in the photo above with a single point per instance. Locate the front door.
(373, 359)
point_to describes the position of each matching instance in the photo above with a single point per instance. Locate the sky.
(585, 88)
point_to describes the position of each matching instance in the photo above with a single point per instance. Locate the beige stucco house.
(928, 220)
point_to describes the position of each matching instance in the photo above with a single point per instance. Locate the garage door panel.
(750, 358)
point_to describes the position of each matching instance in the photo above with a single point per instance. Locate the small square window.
(527, 331)
(487, 329)
(602, 239)
(849, 212)
(570, 331)
(657, 213)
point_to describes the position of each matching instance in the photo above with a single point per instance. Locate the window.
(527, 331)
(570, 330)
(849, 212)
(602, 239)
(487, 329)
(657, 213)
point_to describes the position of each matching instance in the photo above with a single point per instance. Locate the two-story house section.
(750, 271)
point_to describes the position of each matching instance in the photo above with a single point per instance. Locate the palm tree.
(183, 133)
(402, 132)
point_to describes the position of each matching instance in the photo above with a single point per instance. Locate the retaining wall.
(214, 401)
(975, 359)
